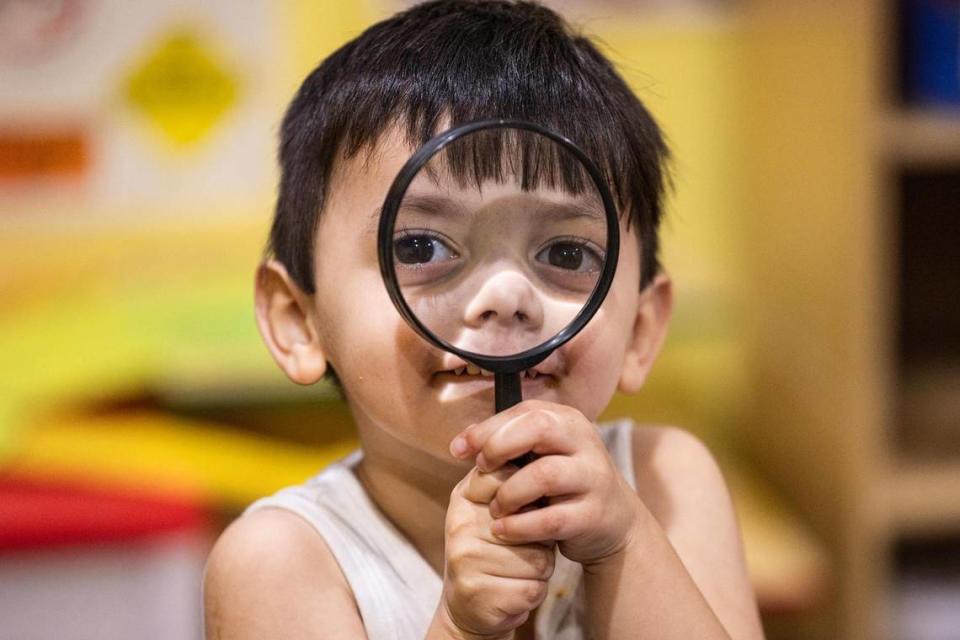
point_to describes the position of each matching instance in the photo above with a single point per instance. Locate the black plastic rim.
(388, 215)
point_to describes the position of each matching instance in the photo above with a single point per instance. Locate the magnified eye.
(423, 257)
(420, 248)
(571, 255)
(571, 265)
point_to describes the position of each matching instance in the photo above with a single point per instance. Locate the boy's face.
(397, 382)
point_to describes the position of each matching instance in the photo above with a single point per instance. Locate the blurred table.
(86, 562)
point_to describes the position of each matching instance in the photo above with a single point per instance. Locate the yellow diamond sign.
(182, 87)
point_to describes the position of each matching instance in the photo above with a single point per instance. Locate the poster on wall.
(168, 101)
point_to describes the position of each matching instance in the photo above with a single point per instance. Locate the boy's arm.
(683, 575)
(270, 575)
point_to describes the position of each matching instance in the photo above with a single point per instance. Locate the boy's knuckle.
(470, 588)
(541, 420)
(567, 412)
(457, 525)
(536, 404)
(466, 552)
(534, 592)
(457, 554)
(473, 437)
(508, 608)
(553, 523)
(543, 564)
(590, 514)
(545, 473)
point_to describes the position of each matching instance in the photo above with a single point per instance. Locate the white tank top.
(396, 589)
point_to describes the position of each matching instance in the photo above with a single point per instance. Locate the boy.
(427, 531)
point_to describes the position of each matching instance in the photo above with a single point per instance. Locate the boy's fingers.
(530, 561)
(480, 486)
(471, 440)
(546, 476)
(541, 431)
(556, 522)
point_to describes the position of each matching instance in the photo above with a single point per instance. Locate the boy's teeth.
(470, 370)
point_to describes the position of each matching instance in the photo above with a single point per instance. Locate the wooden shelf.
(929, 422)
(853, 423)
(923, 496)
(923, 136)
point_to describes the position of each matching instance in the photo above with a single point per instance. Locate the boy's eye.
(419, 248)
(571, 255)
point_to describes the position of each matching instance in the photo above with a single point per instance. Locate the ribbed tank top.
(396, 589)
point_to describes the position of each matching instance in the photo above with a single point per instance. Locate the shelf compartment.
(926, 587)
(923, 496)
(927, 423)
(923, 136)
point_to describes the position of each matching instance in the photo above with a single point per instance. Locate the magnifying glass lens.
(499, 241)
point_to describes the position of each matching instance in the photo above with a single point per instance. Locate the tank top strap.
(395, 589)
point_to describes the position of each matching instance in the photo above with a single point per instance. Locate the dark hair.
(456, 61)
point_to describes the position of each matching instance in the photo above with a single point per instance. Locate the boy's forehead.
(370, 172)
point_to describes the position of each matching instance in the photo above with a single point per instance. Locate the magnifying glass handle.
(507, 392)
(506, 387)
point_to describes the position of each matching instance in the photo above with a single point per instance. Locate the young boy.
(427, 530)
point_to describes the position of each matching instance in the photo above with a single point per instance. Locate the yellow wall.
(124, 308)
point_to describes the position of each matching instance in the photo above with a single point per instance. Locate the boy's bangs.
(502, 155)
(505, 155)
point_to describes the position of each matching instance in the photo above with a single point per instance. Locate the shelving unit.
(852, 206)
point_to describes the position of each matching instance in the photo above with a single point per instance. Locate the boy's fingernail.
(497, 527)
(459, 446)
(494, 508)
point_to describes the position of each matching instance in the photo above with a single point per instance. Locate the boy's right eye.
(421, 248)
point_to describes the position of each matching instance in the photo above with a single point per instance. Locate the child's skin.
(662, 562)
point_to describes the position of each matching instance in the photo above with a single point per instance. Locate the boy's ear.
(649, 332)
(287, 323)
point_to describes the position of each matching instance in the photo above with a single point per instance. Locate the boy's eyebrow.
(567, 210)
(432, 204)
(424, 203)
(435, 204)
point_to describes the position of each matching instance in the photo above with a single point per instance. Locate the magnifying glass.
(497, 242)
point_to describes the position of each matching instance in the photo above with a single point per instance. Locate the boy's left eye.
(571, 255)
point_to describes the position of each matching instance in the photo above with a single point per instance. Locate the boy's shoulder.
(682, 486)
(270, 574)
(668, 445)
(676, 475)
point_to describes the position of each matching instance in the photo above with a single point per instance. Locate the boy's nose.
(506, 299)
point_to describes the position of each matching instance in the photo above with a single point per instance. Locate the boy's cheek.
(594, 360)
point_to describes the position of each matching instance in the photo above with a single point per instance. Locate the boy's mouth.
(472, 370)
(457, 368)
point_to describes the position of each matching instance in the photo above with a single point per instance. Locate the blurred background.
(813, 238)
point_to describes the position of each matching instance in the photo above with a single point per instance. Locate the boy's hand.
(592, 513)
(489, 586)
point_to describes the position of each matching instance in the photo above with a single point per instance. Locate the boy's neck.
(411, 489)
